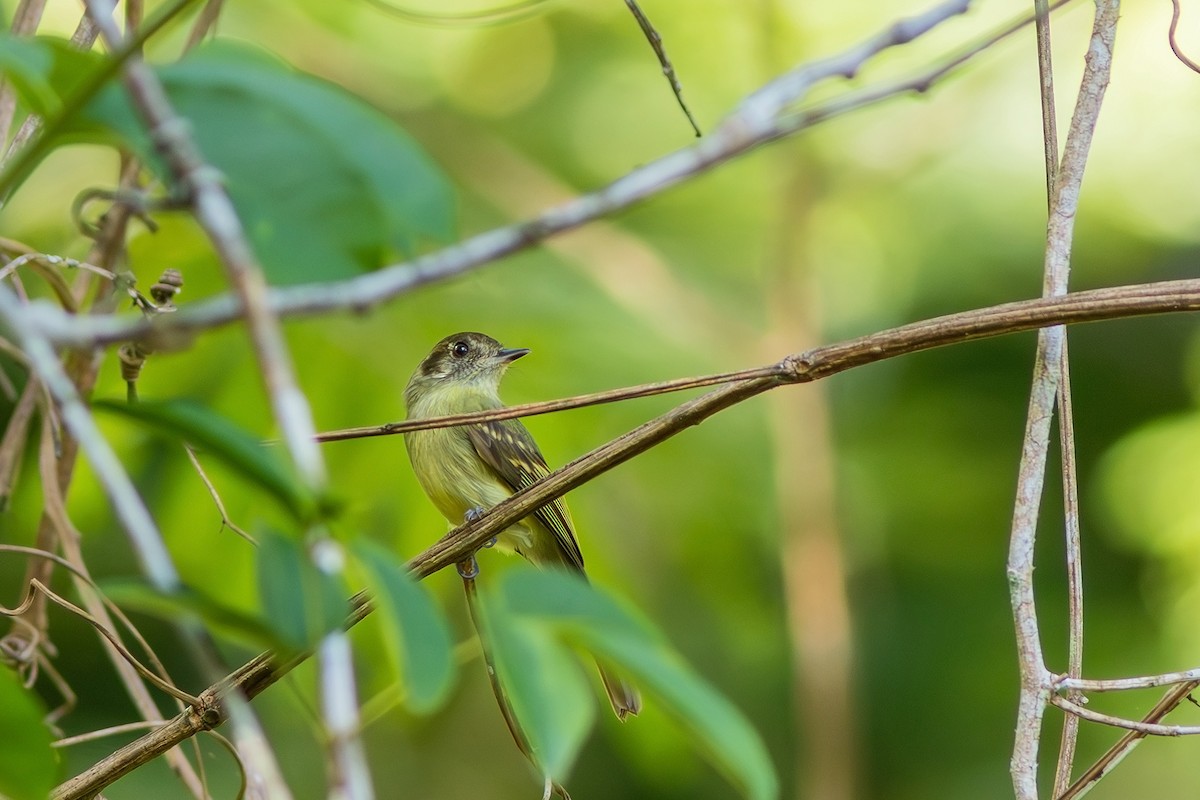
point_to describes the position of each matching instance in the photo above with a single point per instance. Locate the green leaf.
(29, 64)
(325, 185)
(298, 601)
(59, 82)
(213, 434)
(225, 622)
(415, 631)
(581, 613)
(28, 765)
(542, 682)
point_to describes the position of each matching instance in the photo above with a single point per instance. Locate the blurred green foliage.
(917, 207)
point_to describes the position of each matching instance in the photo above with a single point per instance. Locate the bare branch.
(1068, 683)
(747, 127)
(1145, 728)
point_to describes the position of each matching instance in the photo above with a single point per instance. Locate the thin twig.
(546, 406)
(12, 445)
(1089, 306)
(1046, 92)
(37, 586)
(226, 522)
(1145, 728)
(655, 40)
(206, 21)
(1070, 684)
(1074, 564)
(112, 730)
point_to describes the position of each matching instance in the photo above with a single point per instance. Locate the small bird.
(468, 469)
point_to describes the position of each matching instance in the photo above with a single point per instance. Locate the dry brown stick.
(546, 406)
(1074, 569)
(814, 364)
(1089, 306)
(820, 362)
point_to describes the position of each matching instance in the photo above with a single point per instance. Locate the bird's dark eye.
(460, 349)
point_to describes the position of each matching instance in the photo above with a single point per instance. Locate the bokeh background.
(831, 557)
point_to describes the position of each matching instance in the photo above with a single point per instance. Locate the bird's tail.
(625, 699)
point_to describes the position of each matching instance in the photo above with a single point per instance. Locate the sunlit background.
(832, 557)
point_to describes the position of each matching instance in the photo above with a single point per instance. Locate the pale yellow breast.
(456, 480)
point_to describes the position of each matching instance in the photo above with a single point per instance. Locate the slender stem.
(1049, 375)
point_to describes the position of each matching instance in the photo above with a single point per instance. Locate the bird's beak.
(507, 355)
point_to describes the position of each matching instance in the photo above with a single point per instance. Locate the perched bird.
(468, 469)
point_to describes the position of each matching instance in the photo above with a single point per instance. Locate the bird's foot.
(476, 513)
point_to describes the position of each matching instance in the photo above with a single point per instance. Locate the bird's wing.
(507, 447)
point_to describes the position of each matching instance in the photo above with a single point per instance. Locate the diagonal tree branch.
(764, 116)
(812, 365)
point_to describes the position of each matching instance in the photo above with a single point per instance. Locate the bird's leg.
(468, 568)
(474, 514)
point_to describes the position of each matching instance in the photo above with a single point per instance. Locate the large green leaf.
(58, 82)
(542, 682)
(582, 614)
(28, 765)
(325, 185)
(299, 602)
(29, 65)
(415, 631)
(213, 434)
